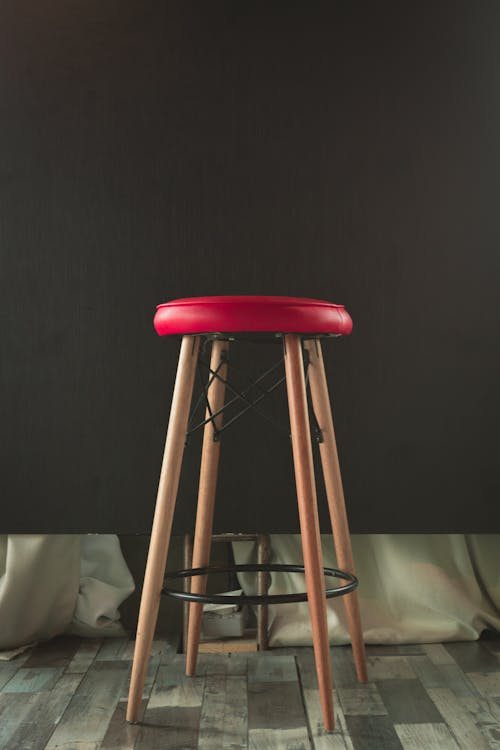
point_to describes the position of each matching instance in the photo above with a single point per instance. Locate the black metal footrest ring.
(352, 583)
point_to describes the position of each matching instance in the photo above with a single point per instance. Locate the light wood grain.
(487, 684)
(162, 523)
(335, 495)
(309, 522)
(228, 646)
(206, 497)
(484, 710)
(486, 715)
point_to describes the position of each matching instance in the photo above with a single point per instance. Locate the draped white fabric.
(413, 588)
(60, 583)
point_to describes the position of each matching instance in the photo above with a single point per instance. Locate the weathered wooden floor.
(71, 693)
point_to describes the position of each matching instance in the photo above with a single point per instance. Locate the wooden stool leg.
(206, 500)
(162, 524)
(309, 523)
(335, 495)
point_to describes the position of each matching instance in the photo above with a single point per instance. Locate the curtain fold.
(413, 588)
(60, 583)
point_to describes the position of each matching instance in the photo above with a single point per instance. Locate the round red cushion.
(251, 313)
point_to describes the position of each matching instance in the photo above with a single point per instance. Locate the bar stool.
(299, 325)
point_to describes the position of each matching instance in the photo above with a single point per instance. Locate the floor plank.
(442, 676)
(36, 728)
(71, 694)
(7, 672)
(112, 648)
(402, 649)
(458, 719)
(269, 667)
(408, 703)
(58, 652)
(343, 670)
(372, 733)
(172, 715)
(389, 667)
(473, 657)
(235, 726)
(14, 710)
(84, 656)
(486, 713)
(32, 680)
(212, 713)
(428, 736)
(173, 688)
(91, 707)
(363, 700)
(487, 684)
(438, 654)
(120, 735)
(276, 718)
(172, 727)
(322, 740)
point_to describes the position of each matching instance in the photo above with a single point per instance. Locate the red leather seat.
(234, 314)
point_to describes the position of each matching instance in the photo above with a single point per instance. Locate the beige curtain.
(413, 588)
(57, 583)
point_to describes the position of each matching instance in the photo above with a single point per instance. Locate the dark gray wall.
(343, 150)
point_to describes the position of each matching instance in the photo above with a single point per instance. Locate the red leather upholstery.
(245, 314)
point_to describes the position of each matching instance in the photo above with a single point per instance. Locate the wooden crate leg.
(263, 557)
